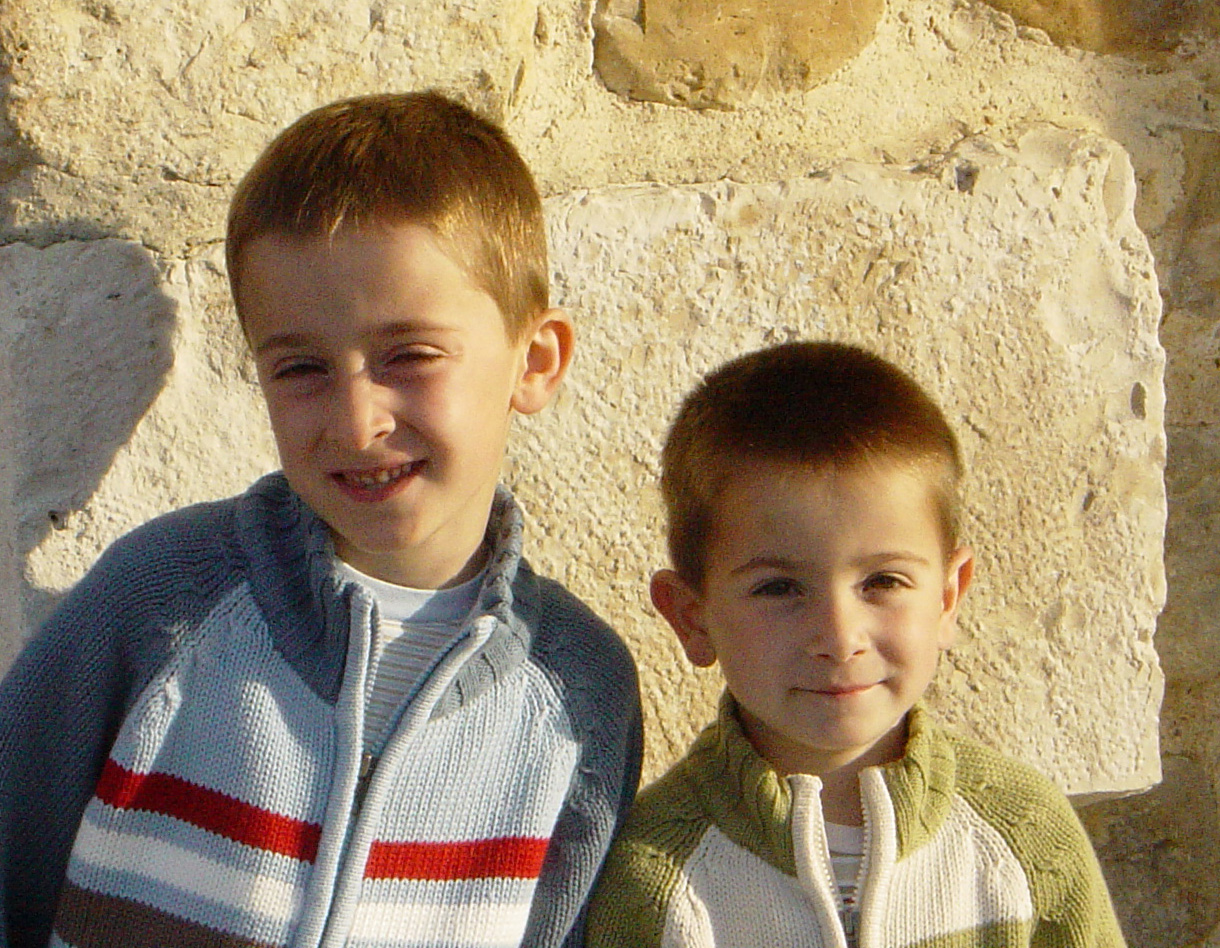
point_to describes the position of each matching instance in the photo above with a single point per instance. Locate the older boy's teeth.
(379, 478)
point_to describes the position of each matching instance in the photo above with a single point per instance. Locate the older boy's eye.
(297, 369)
(776, 588)
(412, 355)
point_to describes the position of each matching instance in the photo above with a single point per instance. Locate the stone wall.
(1019, 201)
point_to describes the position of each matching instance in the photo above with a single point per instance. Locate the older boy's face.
(827, 602)
(390, 381)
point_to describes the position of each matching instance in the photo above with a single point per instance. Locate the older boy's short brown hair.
(416, 158)
(816, 404)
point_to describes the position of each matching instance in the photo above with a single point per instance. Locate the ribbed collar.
(752, 804)
(307, 601)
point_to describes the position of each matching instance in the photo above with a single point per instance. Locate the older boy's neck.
(430, 575)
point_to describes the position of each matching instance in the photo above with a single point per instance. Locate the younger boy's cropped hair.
(816, 404)
(399, 158)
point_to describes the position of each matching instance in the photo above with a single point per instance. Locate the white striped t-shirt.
(415, 628)
(846, 845)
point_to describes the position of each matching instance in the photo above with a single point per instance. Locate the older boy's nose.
(361, 413)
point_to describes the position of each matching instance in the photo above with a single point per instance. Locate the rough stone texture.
(1110, 25)
(143, 130)
(717, 55)
(1003, 276)
(120, 129)
(1168, 821)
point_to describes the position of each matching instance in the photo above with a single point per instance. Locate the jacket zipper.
(368, 764)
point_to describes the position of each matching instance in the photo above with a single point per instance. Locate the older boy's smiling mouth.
(376, 481)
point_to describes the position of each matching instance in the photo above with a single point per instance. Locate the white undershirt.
(846, 845)
(414, 630)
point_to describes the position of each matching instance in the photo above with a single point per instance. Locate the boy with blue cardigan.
(340, 709)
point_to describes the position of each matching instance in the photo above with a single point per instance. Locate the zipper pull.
(368, 763)
(851, 926)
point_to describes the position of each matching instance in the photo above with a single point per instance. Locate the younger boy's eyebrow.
(766, 562)
(872, 560)
(894, 556)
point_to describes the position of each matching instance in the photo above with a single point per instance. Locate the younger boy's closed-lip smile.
(842, 691)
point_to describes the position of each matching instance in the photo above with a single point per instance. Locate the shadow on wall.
(1160, 851)
(87, 335)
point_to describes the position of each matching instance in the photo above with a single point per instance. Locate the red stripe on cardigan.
(209, 810)
(512, 857)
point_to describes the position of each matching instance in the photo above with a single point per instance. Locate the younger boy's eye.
(776, 588)
(884, 582)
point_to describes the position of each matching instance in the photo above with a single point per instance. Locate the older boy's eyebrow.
(283, 340)
(301, 340)
(414, 328)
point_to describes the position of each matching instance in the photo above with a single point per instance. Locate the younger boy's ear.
(548, 350)
(682, 608)
(958, 574)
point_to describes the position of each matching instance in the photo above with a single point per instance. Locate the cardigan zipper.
(368, 764)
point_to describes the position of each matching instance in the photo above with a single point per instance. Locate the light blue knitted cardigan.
(180, 750)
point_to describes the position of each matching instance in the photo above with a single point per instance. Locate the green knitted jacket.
(963, 847)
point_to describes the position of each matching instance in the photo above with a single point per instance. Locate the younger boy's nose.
(361, 414)
(837, 630)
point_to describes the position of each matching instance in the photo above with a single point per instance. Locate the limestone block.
(1011, 279)
(143, 130)
(132, 396)
(692, 53)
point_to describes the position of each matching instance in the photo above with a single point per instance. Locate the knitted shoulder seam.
(1039, 825)
(646, 865)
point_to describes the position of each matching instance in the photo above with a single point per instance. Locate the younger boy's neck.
(838, 773)
(841, 797)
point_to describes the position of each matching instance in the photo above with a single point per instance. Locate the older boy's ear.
(548, 351)
(682, 608)
(958, 574)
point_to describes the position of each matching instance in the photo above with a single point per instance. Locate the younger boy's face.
(390, 381)
(827, 601)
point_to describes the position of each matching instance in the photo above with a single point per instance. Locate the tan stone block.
(1076, 22)
(1113, 25)
(715, 55)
